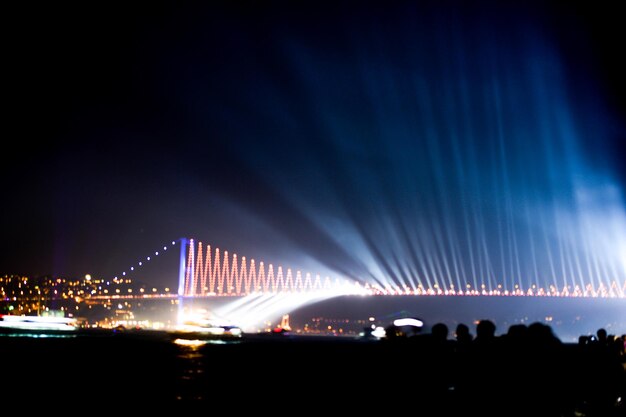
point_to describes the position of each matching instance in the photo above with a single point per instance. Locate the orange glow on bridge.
(212, 272)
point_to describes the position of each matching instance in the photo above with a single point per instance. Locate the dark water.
(280, 372)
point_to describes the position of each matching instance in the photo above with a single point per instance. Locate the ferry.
(206, 329)
(37, 323)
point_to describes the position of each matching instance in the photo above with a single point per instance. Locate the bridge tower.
(182, 266)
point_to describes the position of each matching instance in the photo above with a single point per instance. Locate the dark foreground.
(317, 374)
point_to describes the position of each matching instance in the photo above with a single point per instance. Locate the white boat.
(38, 323)
(205, 328)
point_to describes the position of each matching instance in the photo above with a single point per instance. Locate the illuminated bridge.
(208, 271)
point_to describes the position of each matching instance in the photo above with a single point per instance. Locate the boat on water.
(13, 323)
(206, 329)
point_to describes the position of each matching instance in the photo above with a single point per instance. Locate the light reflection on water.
(190, 370)
(192, 362)
(197, 343)
(40, 335)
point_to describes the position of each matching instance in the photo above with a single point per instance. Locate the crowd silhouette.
(472, 371)
(526, 371)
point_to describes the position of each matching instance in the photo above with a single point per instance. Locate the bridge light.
(148, 258)
(173, 242)
(156, 253)
(140, 264)
(132, 268)
(124, 273)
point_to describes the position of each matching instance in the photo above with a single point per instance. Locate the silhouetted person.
(461, 369)
(547, 390)
(517, 333)
(437, 366)
(485, 332)
(486, 384)
(602, 337)
(602, 376)
(439, 333)
(541, 335)
(584, 340)
(463, 335)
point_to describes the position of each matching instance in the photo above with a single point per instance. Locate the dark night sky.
(323, 135)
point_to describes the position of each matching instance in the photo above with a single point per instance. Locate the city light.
(379, 332)
(408, 322)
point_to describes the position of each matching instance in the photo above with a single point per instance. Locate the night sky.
(388, 142)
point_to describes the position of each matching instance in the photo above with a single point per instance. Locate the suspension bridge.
(208, 271)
